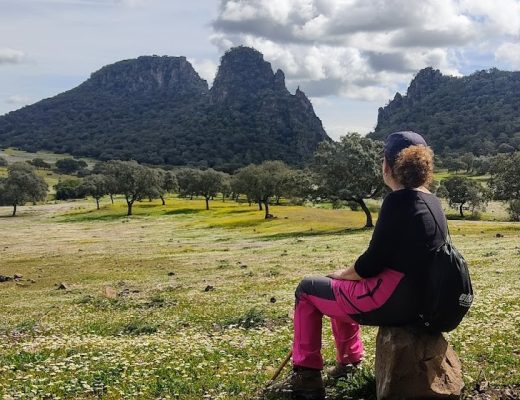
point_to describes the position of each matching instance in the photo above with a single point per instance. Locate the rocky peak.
(172, 75)
(425, 82)
(244, 74)
(279, 81)
(304, 100)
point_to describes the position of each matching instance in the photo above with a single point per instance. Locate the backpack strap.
(447, 238)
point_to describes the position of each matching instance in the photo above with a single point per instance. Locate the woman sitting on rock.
(384, 285)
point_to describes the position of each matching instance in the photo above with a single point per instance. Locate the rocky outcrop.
(173, 75)
(243, 76)
(412, 364)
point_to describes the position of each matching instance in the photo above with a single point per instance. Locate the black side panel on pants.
(318, 286)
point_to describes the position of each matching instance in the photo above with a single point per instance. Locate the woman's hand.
(348, 274)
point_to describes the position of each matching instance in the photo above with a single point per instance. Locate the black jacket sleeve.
(379, 253)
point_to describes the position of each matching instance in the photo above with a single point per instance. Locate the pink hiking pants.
(337, 299)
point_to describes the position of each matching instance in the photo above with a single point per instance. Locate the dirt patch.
(489, 393)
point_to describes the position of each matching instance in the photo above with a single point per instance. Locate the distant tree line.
(347, 171)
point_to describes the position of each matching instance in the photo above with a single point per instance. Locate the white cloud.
(365, 49)
(509, 54)
(206, 68)
(11, 56)
(494, 16)
(18, 100)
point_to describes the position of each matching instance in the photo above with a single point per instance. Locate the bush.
(68, 189)
(70, 165)
(39, 163)
(353, 205)
(514, 210)
(3, 162)
(338, 204)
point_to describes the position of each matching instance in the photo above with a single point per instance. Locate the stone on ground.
(109, 292)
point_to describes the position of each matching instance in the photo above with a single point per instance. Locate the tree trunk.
(112, 198)
(207, 203)
(259, 205)
(97, 202)
(277, 202)
(460, 210)
(162, 199)
(130, 204)
(369, 223)
(266, 202)
(14, 210)
(149, 199)
(223, 198)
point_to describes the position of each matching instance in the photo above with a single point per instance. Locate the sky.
(349, 56)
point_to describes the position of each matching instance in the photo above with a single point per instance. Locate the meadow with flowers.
(177, 302)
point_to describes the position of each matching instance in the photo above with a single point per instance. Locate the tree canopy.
(350, 170)
(132, 180)
(505, 181)
(21, 186)
(70, 165)
(94, 185)
(262, 182)
(461, 191)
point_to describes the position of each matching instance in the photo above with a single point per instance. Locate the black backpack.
(448, 293)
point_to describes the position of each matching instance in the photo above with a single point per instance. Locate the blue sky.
(349, 56)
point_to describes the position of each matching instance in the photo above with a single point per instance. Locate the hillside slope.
(478, 113)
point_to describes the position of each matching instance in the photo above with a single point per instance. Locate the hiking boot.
(341, 371)
(301, 384)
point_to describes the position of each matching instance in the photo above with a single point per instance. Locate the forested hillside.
(158, 110)
(479, 113)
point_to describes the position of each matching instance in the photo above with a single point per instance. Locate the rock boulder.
(412, 364)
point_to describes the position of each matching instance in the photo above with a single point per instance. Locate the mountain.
(479, 113)
(158, 110)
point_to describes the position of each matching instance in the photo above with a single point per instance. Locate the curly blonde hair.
(413, 166)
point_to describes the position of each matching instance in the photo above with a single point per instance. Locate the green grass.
(14, 155)
(51, 177)
(441, 174)
(165, 336)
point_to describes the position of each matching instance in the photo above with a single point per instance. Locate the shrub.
(353, 205)
(39, 163)
(68, 189)
(514, 210)
(70, 165)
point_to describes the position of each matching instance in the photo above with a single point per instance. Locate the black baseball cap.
(397, 141)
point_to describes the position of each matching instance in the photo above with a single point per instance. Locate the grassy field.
(51, 177)
(13, 155)
(204, 297)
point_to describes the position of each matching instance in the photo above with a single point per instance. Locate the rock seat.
(413, 364)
